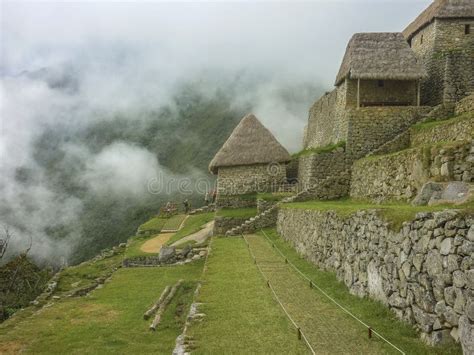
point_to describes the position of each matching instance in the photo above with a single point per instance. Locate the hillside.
(105, 302)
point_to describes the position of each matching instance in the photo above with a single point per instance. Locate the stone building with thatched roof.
(378, 70)
(442, 37)
(251, 160)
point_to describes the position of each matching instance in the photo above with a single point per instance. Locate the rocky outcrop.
(424, 272)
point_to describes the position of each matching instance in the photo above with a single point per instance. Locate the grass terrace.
(326, 149)
(273, 196)
(174, 222)
(110, 320)
(394, 213)
(440, 123)
(154, 225)
(374, 313)
(192, 225)
(242, 213)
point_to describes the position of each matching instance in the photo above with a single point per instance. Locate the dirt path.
(199, 237)
(153, 245)
(328, 329)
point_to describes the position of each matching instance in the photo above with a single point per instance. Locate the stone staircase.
(265, 218)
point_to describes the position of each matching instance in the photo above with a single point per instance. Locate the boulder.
(456, 192)
(427, 191)
(166, 254)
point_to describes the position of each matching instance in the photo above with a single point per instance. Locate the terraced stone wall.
(424, 273)
(399, 176)
(371, 127)
(327, 122)
(313, 168)
(451, 130)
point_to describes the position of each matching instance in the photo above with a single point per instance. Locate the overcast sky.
(302, 39)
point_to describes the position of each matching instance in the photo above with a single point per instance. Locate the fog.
(70, 64)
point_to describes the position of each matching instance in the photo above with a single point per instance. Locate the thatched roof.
(250, 143)
(379, 56)
(440, 9)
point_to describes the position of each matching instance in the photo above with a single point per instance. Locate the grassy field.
(154, 225)
(394, 213)
(373, 313)
(174, 222)
(241, 315)
(110, 320)
(192, 225)
(237, 212)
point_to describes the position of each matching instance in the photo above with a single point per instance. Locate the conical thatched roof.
(250, 143)
(440, 9)
(384, 56)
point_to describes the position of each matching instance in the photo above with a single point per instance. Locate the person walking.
(186, 206)
(206, 199)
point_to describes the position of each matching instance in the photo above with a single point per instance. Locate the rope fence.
(312, 284)
(300, 333)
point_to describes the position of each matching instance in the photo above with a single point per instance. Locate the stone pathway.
(154, 245)
(328, 329)
(199, 237)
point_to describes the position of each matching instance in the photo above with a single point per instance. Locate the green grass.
(110, 320)
(241, 315)
(134, 245)
(192, 225)
(326, 149)
(84, 274)
(372, 312)
(242, 213)
(394, 213)
(273, 196)
(437, 123)
(154, 225)
(174, 222)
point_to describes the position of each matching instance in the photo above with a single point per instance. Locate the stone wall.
(450, 130)
(236, 201)
(313, 168)
(448, 55)
(371, 127)
(399, 176)
(392, 92)
(223, 224)
(326, 122)
(263, 205)
(465, 105)
(423, 273)
(238, 180)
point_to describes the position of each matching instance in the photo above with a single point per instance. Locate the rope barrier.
(298, 329)
(313, 284)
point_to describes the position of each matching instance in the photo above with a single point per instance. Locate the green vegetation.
(174, 222)
(134, 245)
(378, 316)
(21, 281)
(243, 213)
(241, 315)
(154, 225)
(273, 196)
(441, 123)
(395, 213)
(192, 225)
(86, 273)
(109, 320)
(326, 149)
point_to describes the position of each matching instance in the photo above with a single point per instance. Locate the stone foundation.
(236, 201)
(423, 273)
(371, 127)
